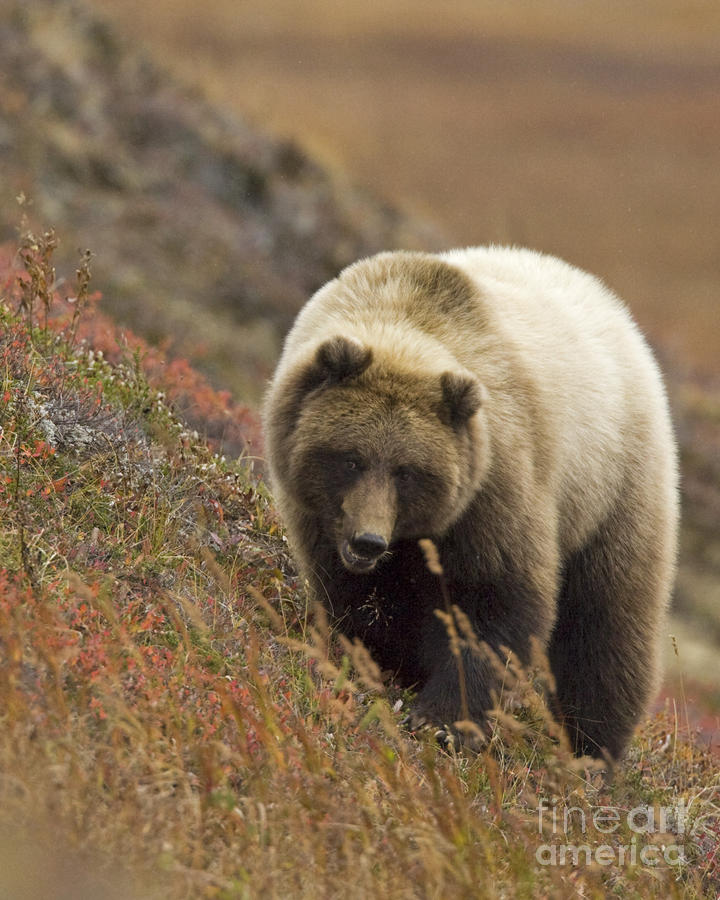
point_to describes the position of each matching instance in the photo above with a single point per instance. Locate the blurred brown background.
(587, 130)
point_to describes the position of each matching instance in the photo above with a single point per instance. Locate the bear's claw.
(445, 736)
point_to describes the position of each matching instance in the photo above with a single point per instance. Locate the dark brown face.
(376, 464)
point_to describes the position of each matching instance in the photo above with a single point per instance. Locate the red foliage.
(229, 426)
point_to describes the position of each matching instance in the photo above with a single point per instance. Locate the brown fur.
(504, 405)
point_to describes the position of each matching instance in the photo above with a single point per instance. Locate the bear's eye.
(404, 475)
(352, 464)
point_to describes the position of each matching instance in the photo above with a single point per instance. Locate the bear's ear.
(463, 396)
(340, 358)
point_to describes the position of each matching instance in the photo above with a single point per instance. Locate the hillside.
(207, 234)
(173, 724)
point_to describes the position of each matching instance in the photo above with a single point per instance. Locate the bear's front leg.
(508, 615)
(453, 684)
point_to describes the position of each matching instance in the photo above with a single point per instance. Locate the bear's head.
(380, 455)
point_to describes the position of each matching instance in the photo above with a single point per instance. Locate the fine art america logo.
(649, 836)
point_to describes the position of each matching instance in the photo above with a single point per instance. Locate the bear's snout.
(361, 553)
(368, 545)
(368, 521)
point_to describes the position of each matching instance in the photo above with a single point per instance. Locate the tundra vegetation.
(175, 724)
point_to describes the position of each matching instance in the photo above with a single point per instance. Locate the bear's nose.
(368, 545)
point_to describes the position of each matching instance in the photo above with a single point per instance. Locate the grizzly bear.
(503, 404)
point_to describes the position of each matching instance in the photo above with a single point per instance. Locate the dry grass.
(173, 725)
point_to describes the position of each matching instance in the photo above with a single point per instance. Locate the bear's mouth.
(356, 562)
